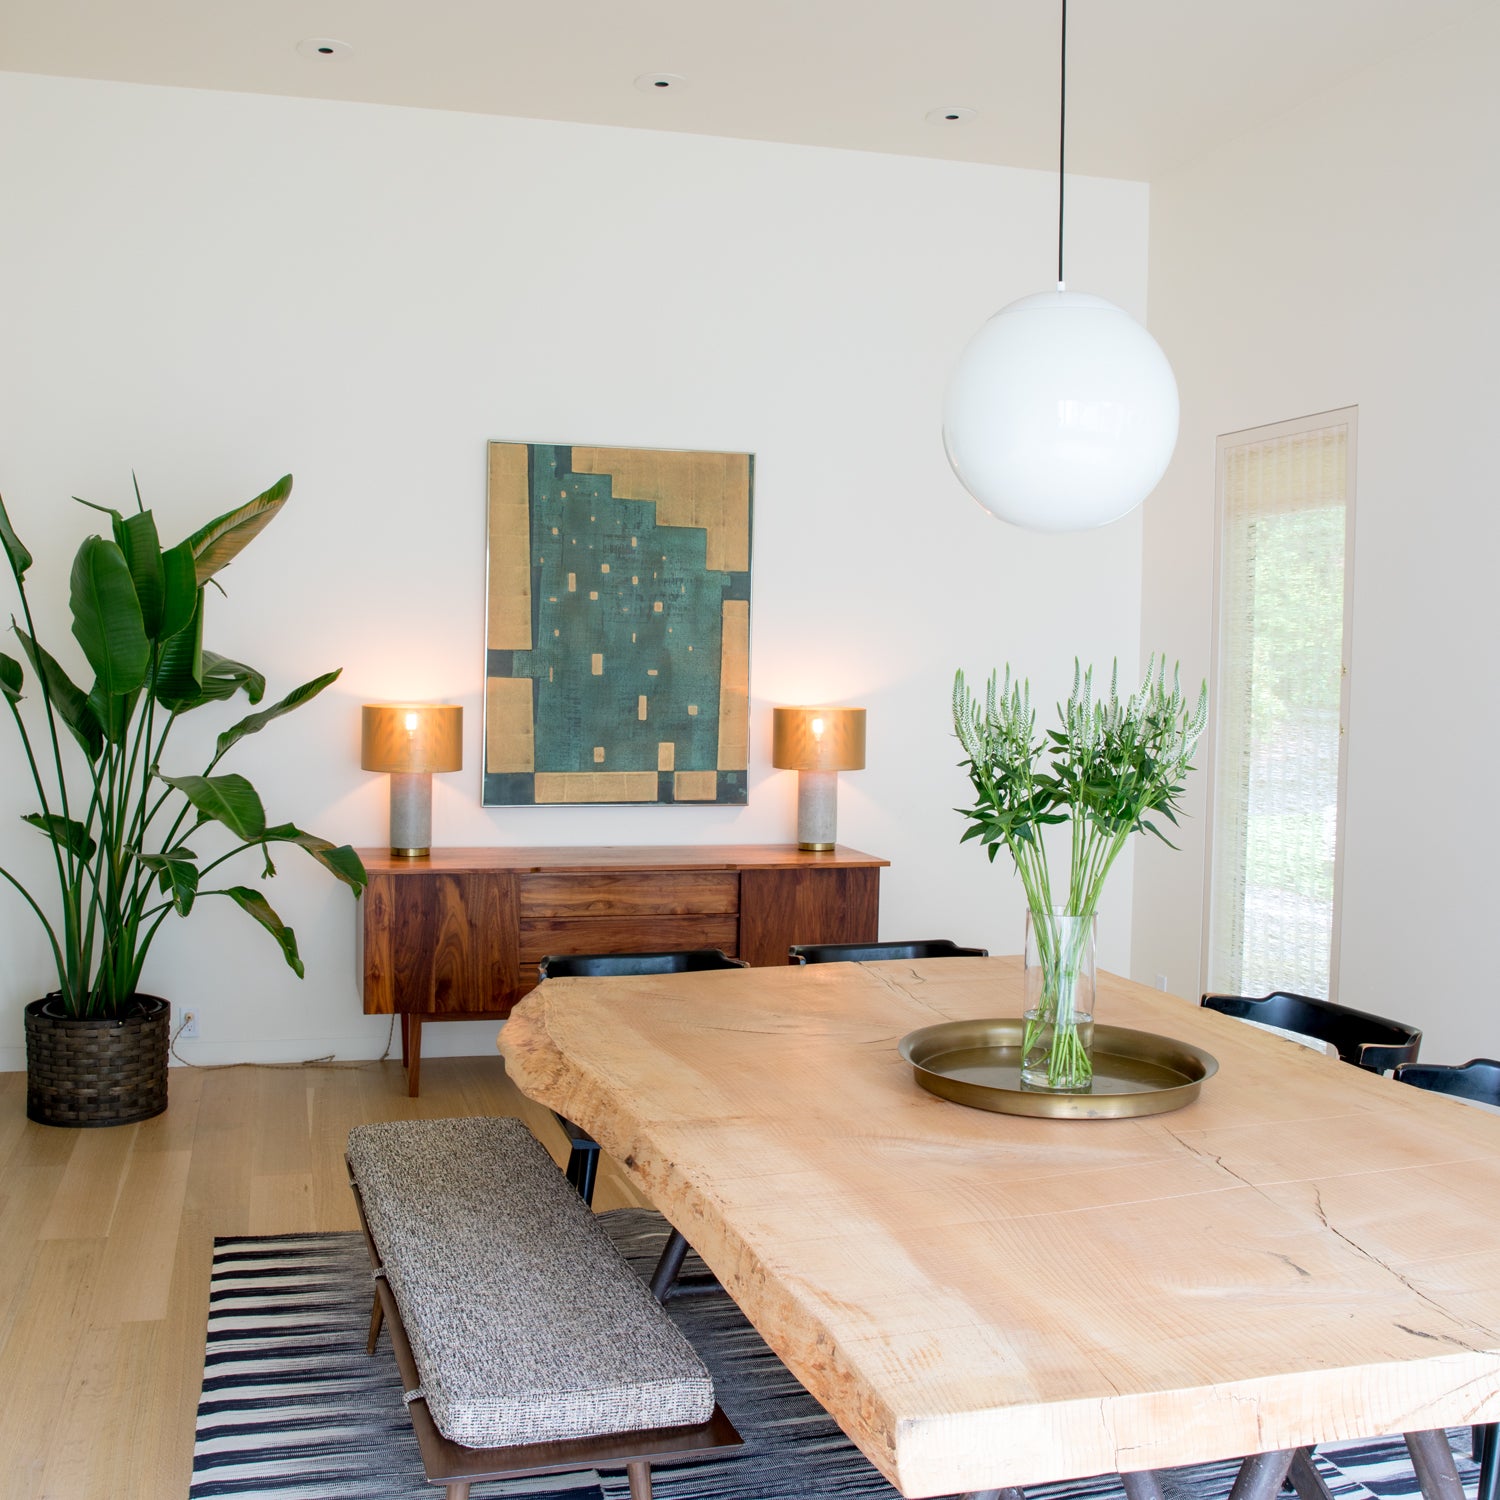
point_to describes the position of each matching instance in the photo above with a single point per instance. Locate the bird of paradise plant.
(124, 830)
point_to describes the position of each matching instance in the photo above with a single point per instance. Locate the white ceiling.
(1151, 82)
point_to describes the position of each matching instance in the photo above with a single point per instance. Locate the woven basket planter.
(83, 1071)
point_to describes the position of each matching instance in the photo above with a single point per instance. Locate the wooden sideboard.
(457, 936)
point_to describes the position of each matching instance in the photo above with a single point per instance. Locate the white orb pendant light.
(1062, 413)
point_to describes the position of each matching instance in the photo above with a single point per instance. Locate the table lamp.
(818, 743)
(411, 741)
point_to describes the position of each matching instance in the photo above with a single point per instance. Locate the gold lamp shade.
(411, 737)
(818, 739)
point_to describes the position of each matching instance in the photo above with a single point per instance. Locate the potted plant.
(125, 833)
(1107, 772)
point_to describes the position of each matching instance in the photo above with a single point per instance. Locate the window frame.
(1348, 417)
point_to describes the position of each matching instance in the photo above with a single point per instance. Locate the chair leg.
(1433, 1460)
(640, 1479)
(1489, 1462)
(1305, 1478)
(377, 1317)
(669, 1267)
(583, 1158)
(1143, 1485)
(458, 1490)
(1261, 1475)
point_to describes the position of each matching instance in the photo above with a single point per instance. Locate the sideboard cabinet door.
(782, 907)
(448, 945)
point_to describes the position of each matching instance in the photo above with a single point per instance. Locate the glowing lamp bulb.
(412, 720)
(817, 728)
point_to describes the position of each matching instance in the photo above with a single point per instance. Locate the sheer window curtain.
(1285, 510)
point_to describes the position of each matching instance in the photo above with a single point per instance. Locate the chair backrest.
(1477, 1079)
(1368, 1041)
(609, 965)
(861, 953)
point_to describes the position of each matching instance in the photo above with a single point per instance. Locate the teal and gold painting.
(617, 663)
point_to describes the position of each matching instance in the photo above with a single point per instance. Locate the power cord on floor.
(327, 1061)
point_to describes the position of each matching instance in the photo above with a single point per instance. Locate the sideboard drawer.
(643, 934)
(626, 893)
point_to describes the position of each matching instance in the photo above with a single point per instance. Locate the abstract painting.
(617, 661)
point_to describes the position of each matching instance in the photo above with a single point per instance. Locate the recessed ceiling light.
(954, 114)
(324, 48)
(661, 83)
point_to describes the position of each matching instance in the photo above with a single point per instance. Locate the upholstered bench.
(528, 1344)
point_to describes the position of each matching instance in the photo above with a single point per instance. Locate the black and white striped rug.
(293, 1408)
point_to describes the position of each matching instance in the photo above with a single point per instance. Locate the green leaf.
(69, 700)
(223, 678)
(20, 558)
(256, 722)
(259, 908)
(142, 548)
(107, 616)
(12, 678)
(114, 712)
(229, 800)
(179, 590)
(104, 510)
(224, 538)
(179, 670)
(177, 875)
(68, 833)
(339, 860)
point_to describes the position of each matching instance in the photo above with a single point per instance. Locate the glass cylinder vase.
(1059, 1038)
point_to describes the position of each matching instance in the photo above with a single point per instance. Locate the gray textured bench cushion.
(526, 1323)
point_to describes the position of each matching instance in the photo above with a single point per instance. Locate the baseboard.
(453, 1039)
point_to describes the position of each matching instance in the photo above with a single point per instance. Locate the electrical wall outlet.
(1161, 984)
(189, 1030)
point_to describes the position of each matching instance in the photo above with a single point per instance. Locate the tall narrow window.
(1281, 689)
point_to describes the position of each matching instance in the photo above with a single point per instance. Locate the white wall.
(213, 289)
(1344, 257)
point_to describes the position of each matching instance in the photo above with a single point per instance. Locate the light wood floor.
(106, 1238)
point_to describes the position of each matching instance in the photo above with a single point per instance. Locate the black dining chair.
(1477, 1080)
(583, 1150)
(864, 953)
(1360, 1038)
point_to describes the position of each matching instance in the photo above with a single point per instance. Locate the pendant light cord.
(1062, 141)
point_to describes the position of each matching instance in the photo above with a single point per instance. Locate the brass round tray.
(978, 1063)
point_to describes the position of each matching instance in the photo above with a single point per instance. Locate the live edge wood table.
(1308, 1252)
(457, 936)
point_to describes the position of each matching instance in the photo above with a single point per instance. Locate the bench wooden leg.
(377, 1317)
(640, 1479)
(459, 1490)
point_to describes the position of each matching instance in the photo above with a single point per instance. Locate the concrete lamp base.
(817, 810)
(411, 814)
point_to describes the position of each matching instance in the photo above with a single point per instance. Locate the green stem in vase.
(1107, 772)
